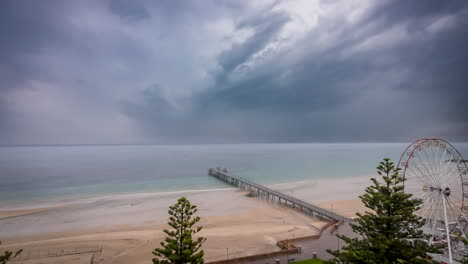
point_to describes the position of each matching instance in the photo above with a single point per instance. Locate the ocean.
(45, 173)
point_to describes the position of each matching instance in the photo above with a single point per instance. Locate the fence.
(29, 254)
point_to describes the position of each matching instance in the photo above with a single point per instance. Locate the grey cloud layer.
(166, 72)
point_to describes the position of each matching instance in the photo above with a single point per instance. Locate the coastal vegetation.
(464, 259)
(390, 232)
(8, 255)
(179, 247)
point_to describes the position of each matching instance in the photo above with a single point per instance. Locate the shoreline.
(63, 201)
(247, 226)
(32, 204)
(5, 214)
(129, 226)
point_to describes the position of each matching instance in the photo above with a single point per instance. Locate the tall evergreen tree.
(179, 247)
(391, 231)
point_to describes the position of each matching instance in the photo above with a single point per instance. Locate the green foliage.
(464, 260)
(8, 255)
(179, 247)
(391, 232)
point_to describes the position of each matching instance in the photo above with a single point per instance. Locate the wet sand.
(129, 227)
(20, 212)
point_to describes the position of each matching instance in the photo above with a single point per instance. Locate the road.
(328, 240)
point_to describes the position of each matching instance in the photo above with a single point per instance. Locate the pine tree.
(391, 232)
(179, 247)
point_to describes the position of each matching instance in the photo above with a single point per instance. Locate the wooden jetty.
(269, 194)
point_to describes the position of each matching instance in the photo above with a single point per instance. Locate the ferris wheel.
(436, 173)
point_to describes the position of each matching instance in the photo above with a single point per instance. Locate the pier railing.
(267, 193)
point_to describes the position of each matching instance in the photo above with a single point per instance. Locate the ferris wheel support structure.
(435, 172)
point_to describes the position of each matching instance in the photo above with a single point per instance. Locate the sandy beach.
(128, 227)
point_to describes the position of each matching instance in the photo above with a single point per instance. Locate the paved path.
(328, 240)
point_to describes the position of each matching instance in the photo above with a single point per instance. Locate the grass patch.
(309, 261)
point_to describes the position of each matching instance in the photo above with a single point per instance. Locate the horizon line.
(212, 143)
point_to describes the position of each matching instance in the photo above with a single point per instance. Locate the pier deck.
(279, 197)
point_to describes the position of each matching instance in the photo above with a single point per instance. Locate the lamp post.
(287, 249)
(337, 238)
(227, 255)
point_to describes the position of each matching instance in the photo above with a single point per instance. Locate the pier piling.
(267, 193)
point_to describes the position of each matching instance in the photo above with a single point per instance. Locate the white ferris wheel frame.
(438, 179)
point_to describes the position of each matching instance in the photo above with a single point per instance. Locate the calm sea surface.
(55, 172)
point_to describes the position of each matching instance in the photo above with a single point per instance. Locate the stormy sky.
(164, 72)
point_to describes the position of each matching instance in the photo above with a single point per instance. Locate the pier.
(281, 198)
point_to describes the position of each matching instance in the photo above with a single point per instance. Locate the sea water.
(46, 173)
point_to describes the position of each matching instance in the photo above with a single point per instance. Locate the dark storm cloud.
(435, 90)
(166, 72)
(266, 27)
(21, 33)
(394, 11)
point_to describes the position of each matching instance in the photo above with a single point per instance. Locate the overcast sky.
(74, 72)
